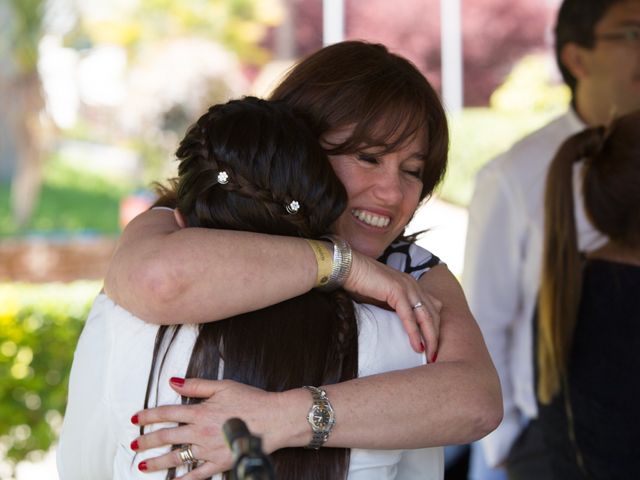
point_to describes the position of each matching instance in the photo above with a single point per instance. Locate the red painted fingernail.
(134, 419)
(134, 445)
(421, 347)
(142, 466)
(177, 381)
(434, 357)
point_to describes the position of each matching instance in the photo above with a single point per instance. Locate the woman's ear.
(179, 218)
(574, 58)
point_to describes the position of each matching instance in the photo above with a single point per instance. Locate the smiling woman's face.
(383, 189)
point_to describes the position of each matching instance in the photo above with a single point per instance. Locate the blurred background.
(94, 96)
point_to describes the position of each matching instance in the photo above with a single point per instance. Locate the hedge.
(39, 327)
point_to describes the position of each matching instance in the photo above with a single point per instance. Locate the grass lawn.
(72, 200)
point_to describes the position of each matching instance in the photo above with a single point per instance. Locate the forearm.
(454, 400)
(168, 275)
(421, 407)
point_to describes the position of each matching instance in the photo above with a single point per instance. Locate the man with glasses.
(598, 52)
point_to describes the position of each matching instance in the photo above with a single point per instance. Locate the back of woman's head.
(382, 95)
(270, 158)
(242, 166)
(611, 184)
(611, 193)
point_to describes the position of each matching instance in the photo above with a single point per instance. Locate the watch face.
(321, 417)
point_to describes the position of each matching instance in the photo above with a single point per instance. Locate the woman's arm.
(454, 400)
(167, 275)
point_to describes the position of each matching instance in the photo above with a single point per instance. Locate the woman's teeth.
(371, 219)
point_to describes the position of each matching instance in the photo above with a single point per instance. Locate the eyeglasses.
(630, 36)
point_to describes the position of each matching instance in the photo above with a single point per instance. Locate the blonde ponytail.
(561, 271)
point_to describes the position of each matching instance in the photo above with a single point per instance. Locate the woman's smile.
(370, 218)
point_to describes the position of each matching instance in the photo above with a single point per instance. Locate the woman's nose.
(388, 187)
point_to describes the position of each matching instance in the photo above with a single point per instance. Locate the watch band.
(321, 417)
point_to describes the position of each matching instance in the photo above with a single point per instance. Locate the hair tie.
(589, 143)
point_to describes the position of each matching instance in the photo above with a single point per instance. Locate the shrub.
(39, 327)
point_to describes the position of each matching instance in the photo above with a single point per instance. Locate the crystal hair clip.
(223, 177)
(292, 207)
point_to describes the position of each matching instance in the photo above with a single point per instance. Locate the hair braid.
(271, 158)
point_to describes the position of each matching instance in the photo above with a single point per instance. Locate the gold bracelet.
(324, 260)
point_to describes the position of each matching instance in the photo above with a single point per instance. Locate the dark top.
(604, 380)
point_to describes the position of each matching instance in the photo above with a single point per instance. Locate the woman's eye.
(414, 173)
(368, 158)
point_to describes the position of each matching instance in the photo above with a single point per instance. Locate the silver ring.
(186, 456)
(416, 306)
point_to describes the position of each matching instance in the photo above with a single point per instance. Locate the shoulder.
(408, 257)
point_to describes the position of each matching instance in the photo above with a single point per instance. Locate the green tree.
(239, 25)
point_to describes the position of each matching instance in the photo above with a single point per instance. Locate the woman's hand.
(374, 282)
(202, 428)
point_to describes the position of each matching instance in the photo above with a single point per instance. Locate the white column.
(333, 21)
(451, 32)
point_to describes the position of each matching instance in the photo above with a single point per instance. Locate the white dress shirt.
(503, 264)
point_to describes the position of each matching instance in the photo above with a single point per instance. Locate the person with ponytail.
(589, 308)
(236, 173)
(596, 50)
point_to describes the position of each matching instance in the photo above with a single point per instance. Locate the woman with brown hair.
(589, 308)
(385, 132)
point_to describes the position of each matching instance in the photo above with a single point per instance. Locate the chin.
(362, 243)
(373, 251)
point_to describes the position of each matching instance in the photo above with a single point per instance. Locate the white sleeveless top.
(111, 369)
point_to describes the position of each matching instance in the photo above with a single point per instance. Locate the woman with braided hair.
(589, 308)
(236, 173)
(385, 132)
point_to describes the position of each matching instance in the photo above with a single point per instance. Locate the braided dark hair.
(271, 158)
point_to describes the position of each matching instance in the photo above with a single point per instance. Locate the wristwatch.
(320, 417)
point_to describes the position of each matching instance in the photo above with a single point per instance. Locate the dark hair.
(576, 23)
(611, 190)
(271, 158)
(383, 95)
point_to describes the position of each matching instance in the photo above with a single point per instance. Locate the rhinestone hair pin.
(292, 207)
(223, 177)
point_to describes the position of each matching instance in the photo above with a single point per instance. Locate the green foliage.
(72, 200)
(240, 25)
(26, 32)
(478, 135)
(39, 327)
